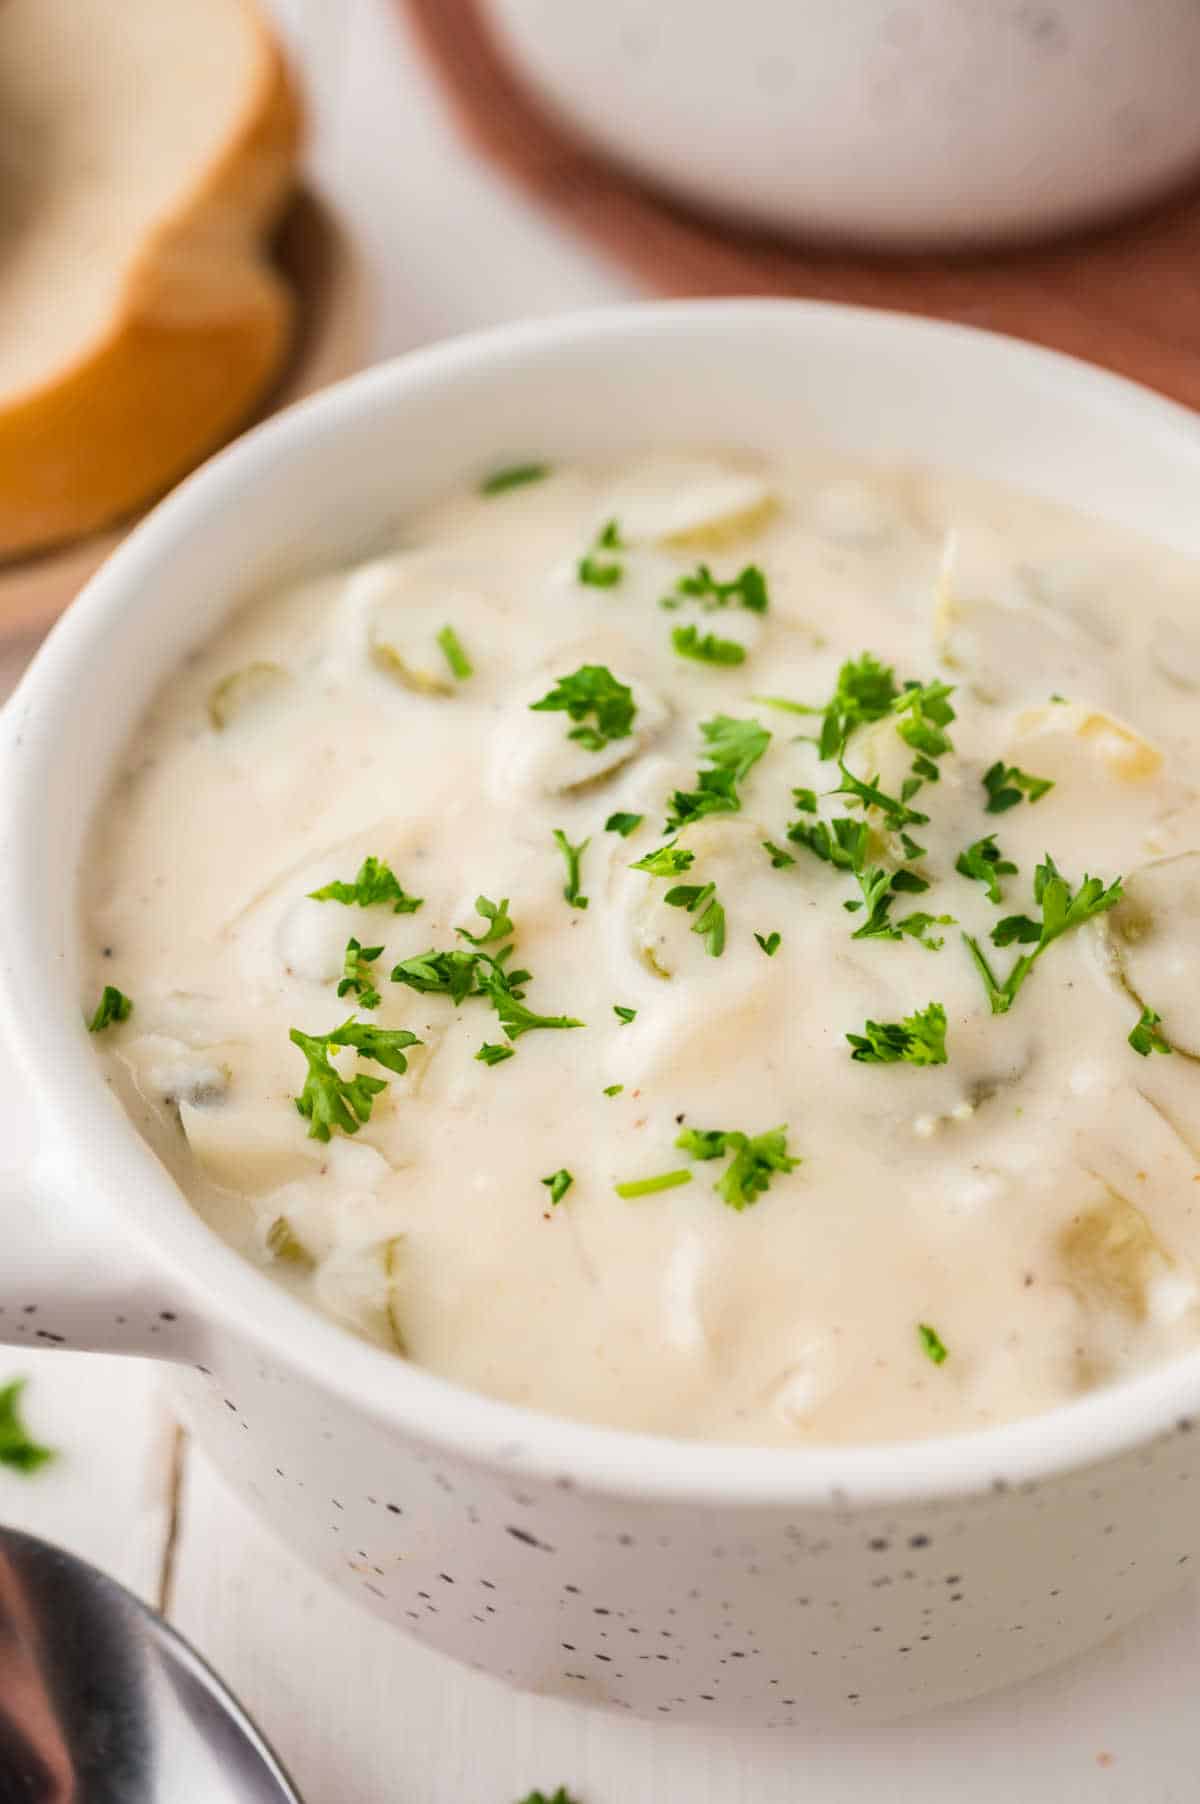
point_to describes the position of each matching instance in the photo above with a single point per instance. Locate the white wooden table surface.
(360, 1716)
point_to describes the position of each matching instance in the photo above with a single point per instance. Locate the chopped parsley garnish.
(919, 1039)
(495, 1055)
(925, 713)
(667, 1180)
(784, 705)
(865, 692)
(700, 899)
(624, 824)
(113, 1006)
(895, 811)
(748, 587)
(558, 1183)
(459, 974)
(513, 1015)
(598, 572)
(707, 648)
(771, 944)
(1062, 909)
(1006, 786)
(450, 973)
(594, 690)
(456, 657)
(18, 1449)
(499, 922)
(843, 843)
(805, 800)
(1147, 1036)
(624, 1015)
(733, 748)
(572, 855)
(670, 860)
(386, 1045)
(513, 476)
(375, 883)
(755, 1160)
(985, 863)
(561, 1796)
(780, 860)
(329, 1100)
(932, 1344)
(356, 977)
(613, 1089)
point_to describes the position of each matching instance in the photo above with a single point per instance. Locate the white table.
(360, 1716)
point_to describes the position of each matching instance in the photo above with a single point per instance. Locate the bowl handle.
(66, 1281)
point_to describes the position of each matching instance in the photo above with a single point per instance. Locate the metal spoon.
(102, 1703)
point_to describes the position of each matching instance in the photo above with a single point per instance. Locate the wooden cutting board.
(1127, 297)
(313, 251)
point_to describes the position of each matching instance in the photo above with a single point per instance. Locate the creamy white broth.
(1032, 1200)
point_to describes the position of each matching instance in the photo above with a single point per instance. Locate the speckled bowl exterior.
(740, 1585)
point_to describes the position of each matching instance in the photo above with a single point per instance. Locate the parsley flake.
(495, 1055)
(18, 1449)
(356, 977)
(561, 1796)
(1062, 909)
(920, 1039)
(602, 573)
(771, 944)
(755, 1160)
(499, 922)
(329, 1100)
(733, 748)
(985, 863)
(624, 1015)
(670, 860)
(780, 860)
(511, 1011)
(558, 1183)
(451, 646)
(707, 648)
(701, 900)
(1147, 1036)
(613, 1089)
(748, 587)
(513, 476)
(667, 1180)
(1006, 786)
(375, 883)
(573, 855)
(113, 1006)
(864, 692)
(624, 824)
(594, 690)
(932, 1344)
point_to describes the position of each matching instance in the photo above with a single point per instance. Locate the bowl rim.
(226, 1290)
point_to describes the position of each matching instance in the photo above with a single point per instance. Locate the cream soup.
(702, 945)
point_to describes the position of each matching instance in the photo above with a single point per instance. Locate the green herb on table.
(624, 824)
(1062, 909)
(733, 748)
(558, 1183)
(756, 1160)
(18, 1449)
(375, 883)
(594, 690)
(456, 657)
(920, 1039)
(932, 1344)
(495, 1055)
(667, 1180)
(356, 977)
(985, 863)
(573, 855)
(701, 900)
(770, 944)
(624, 1015)
(499, 922)
(114, 1006)
(1006, 786)
(1148, 1037)
(513, 476)
(599, 572)
(748, 588)
(707, 648)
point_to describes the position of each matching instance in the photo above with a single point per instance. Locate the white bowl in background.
(735, 1585)
(893, 123)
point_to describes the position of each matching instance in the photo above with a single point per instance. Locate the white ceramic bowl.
(738, 1585)
(886, 122)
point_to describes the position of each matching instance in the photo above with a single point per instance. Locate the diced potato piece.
(989, 623)
(357, 1284)
(244, 690)
(668, 938)
(1154, 936)
(392, 611)
(169, 1071)
(248, 1147)
(1121, 749)
(534, 755)
(1112, 1256)
(688, 503)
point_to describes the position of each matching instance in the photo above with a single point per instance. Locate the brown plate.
(313, 251)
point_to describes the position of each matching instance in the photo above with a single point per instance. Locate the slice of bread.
(146, 149)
